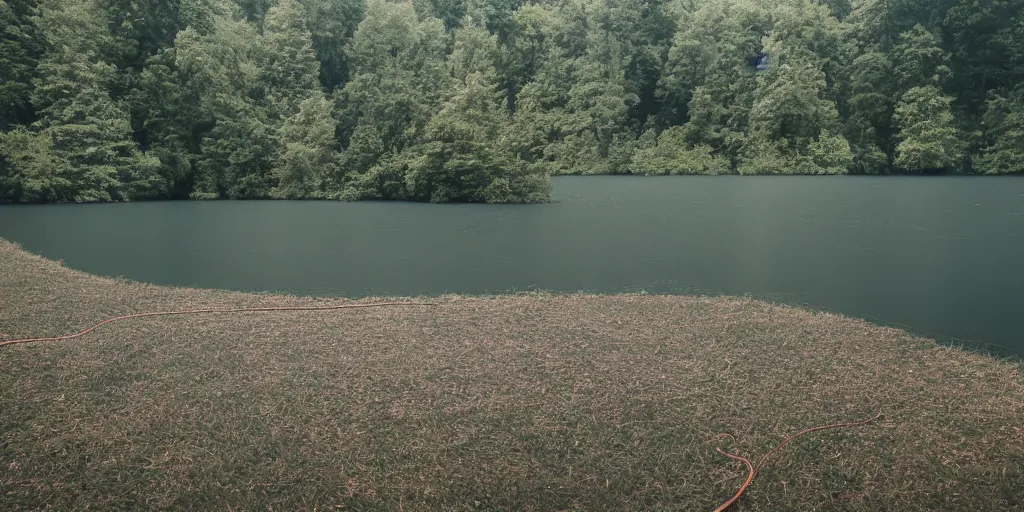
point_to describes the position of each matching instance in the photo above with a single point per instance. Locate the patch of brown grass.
(532, 402)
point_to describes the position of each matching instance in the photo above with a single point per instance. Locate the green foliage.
(919, 60)
(671, 153)
(308, 164)
(481, 100)
(828, 154)
(540, 47)
(711, 51)
(450, 12)
(29, 171)
(928, 140)
(1011, 40)
(1004, 134)
(331, 24)
(236, 150)
(790, 104)
(587, 99)
(254, 10)
(20, 48)
(172, 118)
(290, 71)
(809, 35)
(391, 36)
(496, 15)
(793, 126)
(140, 29)
(89, 132)
(400, 79)
(882, 21)
(458, 155)
(984, 36)
(870, 106)
(475, 51)
(459, 160)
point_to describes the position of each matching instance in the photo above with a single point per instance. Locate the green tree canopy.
(364, 99)
(21, 45)
(89, 132)
(928, 140)
(1004, 134)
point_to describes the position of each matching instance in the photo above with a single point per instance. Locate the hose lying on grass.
(213, 310)
(752, 470)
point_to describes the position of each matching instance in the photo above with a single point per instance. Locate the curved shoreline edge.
(533, 401)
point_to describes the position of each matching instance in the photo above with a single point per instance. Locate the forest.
(484, 100)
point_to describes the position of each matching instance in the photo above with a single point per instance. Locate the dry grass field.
(528, 402)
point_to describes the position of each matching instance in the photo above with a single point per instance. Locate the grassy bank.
(532, 402)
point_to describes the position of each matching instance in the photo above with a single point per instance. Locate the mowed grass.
(530, 402)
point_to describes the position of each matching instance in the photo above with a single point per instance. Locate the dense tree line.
(482, 100)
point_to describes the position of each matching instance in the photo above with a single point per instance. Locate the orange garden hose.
(752, 471)
(213, 310)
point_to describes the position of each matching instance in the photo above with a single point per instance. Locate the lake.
(942, 256)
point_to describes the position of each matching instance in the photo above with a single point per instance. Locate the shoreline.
(550, 200)
(529, 401)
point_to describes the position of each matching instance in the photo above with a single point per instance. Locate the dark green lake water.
(942, 256)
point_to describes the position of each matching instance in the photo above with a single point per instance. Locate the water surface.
(940, 255)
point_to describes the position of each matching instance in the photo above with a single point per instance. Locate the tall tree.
(238, 148)
(290, 71)
(1004, 134)
(807, 33)
(644, 29)
(977, 30)
(794, 126)
(496, 15)
(139, 29)
(713, 50)
(928, 140)
(919, 60)
(595, 131)
(475, 50)
(465, 155)
(90, 133)
(399, 80)
(540, 113)
(460, 162)
(172, 121)
(20, 48)
(306, 160)
(541, 40)
(870, 107)
(927, 135)
(881, 22)
(254, 10)
(308, 165)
